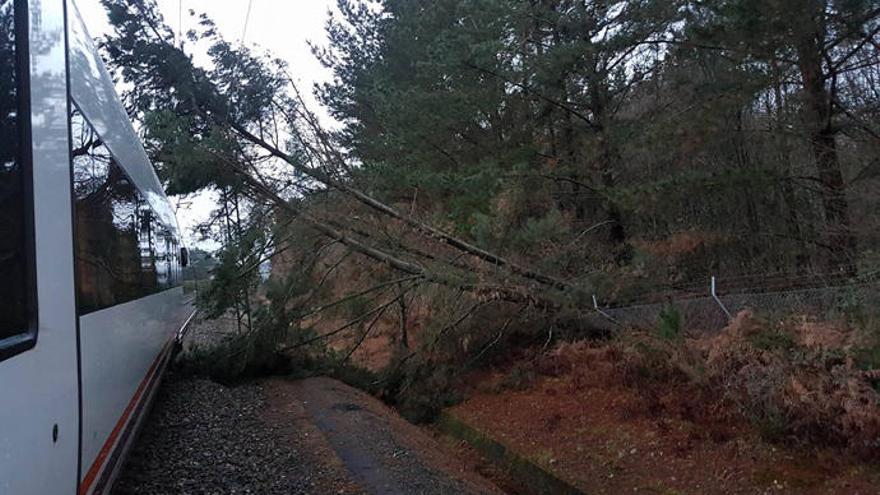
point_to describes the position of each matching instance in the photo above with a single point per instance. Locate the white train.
(90, 261)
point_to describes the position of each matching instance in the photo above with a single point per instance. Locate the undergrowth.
(419, 390)
(234, 356)
(670, 323)
(796, 382)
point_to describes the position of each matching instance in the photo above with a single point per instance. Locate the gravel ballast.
(203, 437)
(279, 436)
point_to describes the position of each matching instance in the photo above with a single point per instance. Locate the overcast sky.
(282, 27)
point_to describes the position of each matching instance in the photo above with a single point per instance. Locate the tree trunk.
(610, 158)
(824, 146)
(789, 196)
(745, 163)
(404, 333)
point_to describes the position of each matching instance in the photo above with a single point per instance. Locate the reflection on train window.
(16, 294)
(122, 249)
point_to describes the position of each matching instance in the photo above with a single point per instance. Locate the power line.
(247, 19)
(180, 22)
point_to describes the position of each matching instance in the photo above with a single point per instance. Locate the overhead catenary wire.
(247, 20)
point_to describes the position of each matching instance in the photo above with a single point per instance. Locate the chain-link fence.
(705, 314)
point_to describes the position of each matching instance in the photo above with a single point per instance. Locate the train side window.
(119, 250)
(18, 287)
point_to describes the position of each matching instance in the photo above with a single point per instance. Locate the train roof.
(94, 93)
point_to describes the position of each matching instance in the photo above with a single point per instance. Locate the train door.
(39, 410)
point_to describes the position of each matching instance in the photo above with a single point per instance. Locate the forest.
(501, 173)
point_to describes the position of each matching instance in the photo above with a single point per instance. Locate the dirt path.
(383, 453)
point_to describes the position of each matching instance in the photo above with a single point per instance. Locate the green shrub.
(670, 323)
(772, 426)
(537, 231)
(239, 356)
(235, 358)
(773, 340)
(420, 391)
(647, 360)
(356, 377)
(519, 378)
(867, 358)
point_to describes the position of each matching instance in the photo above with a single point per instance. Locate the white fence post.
(720, 304)
(606, 315)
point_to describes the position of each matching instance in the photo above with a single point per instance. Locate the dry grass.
(797, 382)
